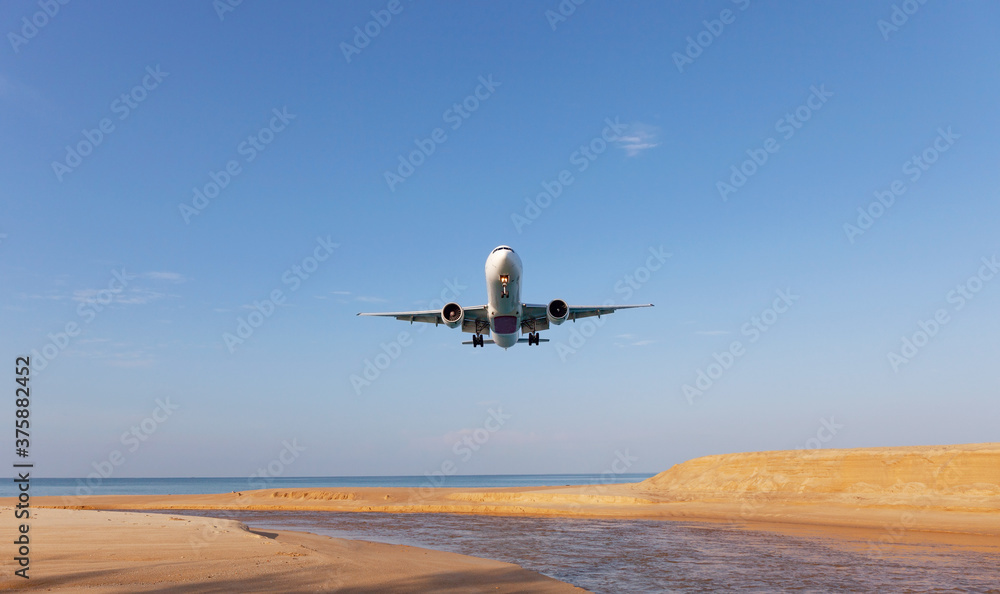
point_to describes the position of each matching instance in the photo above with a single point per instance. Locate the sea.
(604, 555)
(96, 485)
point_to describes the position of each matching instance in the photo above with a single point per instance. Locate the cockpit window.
(503, 247)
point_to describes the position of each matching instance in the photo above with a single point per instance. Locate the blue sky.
(294, 136)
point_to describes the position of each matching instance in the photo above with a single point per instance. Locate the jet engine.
(556, 311)
(452, 314)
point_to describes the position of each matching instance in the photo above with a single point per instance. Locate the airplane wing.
(534, 312)
(473, 315)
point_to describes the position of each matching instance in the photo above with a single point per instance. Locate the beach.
(938, 490)
(144, 552)
(928, 488)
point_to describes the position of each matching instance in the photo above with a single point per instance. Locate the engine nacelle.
(452, 314)
(556, 311)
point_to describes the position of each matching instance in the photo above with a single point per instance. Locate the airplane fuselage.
(503, 291)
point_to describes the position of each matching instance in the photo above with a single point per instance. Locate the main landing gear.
(532, 338)
(477, 340)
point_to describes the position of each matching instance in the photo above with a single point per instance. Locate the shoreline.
(620, 502)
(951, 488)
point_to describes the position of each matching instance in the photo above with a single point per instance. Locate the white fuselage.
(503, 291)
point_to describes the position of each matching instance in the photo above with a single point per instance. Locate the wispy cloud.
(629, 340)
(346, 296)
(174, 277)
(49, 295)
(113, 354)
(132, 294)
(128, 296)
(637, 138)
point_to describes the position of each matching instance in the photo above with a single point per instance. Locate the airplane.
(504, 315)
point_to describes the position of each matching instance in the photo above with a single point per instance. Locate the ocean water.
(668, 556)
(199, 486)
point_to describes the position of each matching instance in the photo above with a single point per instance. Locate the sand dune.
(970, 473)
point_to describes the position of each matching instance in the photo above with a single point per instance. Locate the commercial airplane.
(504, 315)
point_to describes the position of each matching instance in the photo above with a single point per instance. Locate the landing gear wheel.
(533, 338)
(477, 340)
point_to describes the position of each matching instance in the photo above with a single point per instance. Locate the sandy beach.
(933, 489)
(140, 552)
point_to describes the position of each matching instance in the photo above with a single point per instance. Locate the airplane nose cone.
(503, 259)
